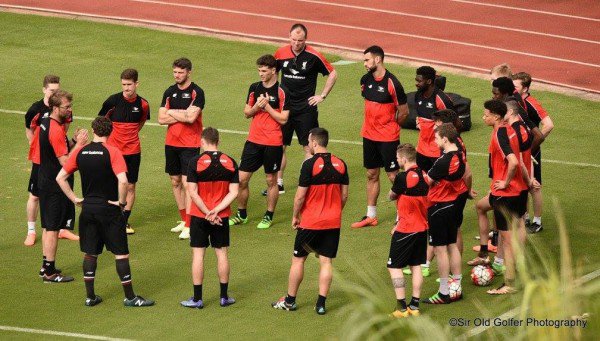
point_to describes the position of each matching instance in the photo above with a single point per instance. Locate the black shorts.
(301, 123)
(425, 162)
(256, 155)
(32, 187)
(407, 249)
(99, 228)
(322, 242)
(56, 211)
(443, 226)
(380, 154)
(461, 202)
(133, 166)
(204, 234)
(515, 207)
(178, 158)
(537, 167)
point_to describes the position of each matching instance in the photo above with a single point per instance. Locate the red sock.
(188, 219)
(182, 214)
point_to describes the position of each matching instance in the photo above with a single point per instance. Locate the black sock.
(414, 303)
(224, 290)
(483, 248)
(89, 274)
(321, 301)
(43, 262)
(126, 214)
(197, 292)
(49, 268)
(401, 304)
(269, 214)
(495, 238)
(124, 272)
(243, 213)
(290, 299)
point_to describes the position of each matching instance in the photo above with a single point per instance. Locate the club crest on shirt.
(304, 65)
(285, 64)
(175, 95)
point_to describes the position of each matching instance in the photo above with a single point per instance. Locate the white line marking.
(366, 29)
(357, 143)
(419, 16)
(515, 311)
(277, 39)
(57, 333)
(527, 10)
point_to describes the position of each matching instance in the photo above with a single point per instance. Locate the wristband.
(122, 205)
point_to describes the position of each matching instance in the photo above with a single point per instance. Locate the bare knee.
(373, 175)
(176, 181)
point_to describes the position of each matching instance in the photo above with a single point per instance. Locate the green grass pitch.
(89, 58)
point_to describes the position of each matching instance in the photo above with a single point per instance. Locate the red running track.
(556, 42)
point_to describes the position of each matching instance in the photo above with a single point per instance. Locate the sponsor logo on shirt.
(185, 95)
(92, 152)
(429, 105)
(380, 88)
(294, 71)
(135, 109)
(272, 98)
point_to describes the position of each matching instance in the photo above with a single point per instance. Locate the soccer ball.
(455, 289)
(482, 275)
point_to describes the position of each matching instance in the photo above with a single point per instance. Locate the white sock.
(426, 265)
(457, 278)
(498, 260)
(526, 216)
(280, 182)
(444, 286)
(30, 227)
(371, 211)
(537, 220)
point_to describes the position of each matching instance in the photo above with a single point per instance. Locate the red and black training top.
(503, 143)
(324, 174)
(98, 164)
(535, 111)
(264, 129)
(382, 96)
(412, 202)
(445, 177)
(53, 144)
(184, 134)
(425, 107)
(33, 116)
(525, 139)
(213, 172)
(299, 74)
(128, 117)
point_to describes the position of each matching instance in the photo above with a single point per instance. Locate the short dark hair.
(524, 77)
(56, 98)
(300, 26)
(513, 105)
(183, 63)
(211, 135)
(448, 116)
(448, 131)
(102, 126)
(496, 107)
(376, 51)
(321, 135)
(505, 85)
(267, 60)
(130, 74)
(408, 151)
(51, 79)
(427, 72)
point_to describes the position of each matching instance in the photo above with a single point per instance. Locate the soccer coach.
(101, 222)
